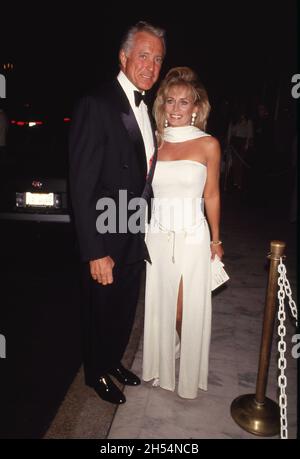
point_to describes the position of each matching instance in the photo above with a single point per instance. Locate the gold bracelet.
(216, 242)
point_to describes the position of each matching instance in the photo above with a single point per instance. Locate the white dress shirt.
(141, 115)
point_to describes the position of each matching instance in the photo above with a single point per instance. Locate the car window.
(37, 142)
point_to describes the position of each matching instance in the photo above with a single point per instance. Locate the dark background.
(246, 49)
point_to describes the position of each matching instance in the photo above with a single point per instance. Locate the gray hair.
(142, 26)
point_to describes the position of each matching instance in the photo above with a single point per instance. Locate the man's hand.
(101, 270)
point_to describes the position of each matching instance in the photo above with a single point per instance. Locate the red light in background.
(67, 120)
(27, 123)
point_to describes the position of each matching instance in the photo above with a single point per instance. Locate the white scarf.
(182, 133)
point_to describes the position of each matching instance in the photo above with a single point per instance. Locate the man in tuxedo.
(111, 143)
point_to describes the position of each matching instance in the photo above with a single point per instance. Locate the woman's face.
(179, 106)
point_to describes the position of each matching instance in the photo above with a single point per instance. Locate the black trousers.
(107, 318)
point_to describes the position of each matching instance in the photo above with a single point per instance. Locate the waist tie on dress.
(173, 233)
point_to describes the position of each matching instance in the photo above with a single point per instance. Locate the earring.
(194, 116)
(166, 123)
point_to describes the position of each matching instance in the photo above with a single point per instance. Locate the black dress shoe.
(125, 376)
(108, 391)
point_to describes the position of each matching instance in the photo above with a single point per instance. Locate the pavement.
(249, 224)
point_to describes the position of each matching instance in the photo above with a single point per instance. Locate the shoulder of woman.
(210, 147)
(209, 143)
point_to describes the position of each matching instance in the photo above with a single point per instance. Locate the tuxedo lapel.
(132, 128)
(154, 158)
(153, 127)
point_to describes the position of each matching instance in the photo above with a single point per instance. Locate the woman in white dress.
(180, 241)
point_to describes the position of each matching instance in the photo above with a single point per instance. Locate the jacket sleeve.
(86, 154)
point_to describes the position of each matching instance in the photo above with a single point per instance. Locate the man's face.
(143, 62)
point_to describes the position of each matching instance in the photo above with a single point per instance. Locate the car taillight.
(34, 123)
(27, 123)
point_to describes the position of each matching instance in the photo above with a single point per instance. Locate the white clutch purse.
(218, 274)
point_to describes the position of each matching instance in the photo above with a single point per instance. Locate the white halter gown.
(178, 241)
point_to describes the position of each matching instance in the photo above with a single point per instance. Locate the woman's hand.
(216, 249)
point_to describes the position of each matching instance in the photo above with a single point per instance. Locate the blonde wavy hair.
(181, 76)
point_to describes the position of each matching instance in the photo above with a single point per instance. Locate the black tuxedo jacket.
(107, 154)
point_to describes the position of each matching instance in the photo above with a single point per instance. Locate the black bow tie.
(138, 97)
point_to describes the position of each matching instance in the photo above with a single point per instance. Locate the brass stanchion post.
(256, 413)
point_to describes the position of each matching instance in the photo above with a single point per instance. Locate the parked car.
(40, 281)
(34, 173)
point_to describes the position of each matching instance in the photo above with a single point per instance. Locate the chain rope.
(283, 292)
